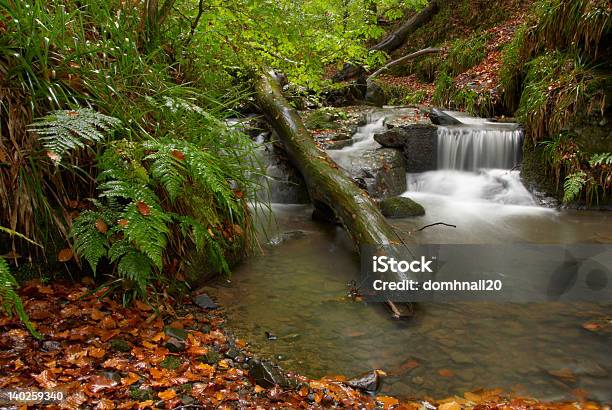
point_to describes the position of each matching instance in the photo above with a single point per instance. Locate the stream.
(296, 289)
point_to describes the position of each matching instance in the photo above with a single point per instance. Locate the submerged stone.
(205, 302)
(401, 207)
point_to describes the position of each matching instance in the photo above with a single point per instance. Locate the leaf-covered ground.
(103, 355)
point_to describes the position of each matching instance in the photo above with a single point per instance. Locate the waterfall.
(473, 147)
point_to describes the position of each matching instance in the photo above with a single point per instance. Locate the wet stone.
(368, 382)
(205, 302)
(175, 345)
(267, 375)
(179, 334)
(120, 345)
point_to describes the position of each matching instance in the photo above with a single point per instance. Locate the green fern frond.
(10, 300)
(149, 233)
(89, 242)
(137, 268)
(167, 166)
(573, 185)
(605, 158)
(63, 131)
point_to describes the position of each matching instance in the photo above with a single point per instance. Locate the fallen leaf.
(96, 352)
(45, 379)
(65, 255)
(178, 155)
(96, 315)
(101, 226)
(387, 402)
(143, 209)
(453, 405)
(130, 379)
(167, 394)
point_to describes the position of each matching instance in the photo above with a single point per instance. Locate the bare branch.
(412, 56)
(434, 224)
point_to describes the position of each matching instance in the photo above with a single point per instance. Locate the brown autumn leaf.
(96, 314)
(122, 223)
(178, 155)
(239, 194)
(167, 394)
(53, 156)
(130, 379)
(45, 379)
(451, 405)
(101, 226)
(96, 352)
(98, 383)
(65, 255)
(105, 404)
(143, 209)
(387, 402)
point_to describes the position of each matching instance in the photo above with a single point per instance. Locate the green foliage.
(9, 299)
(63, 131)
(466, 53)
(512, 71)
(557, 88)
(444, 90)
(573, 185)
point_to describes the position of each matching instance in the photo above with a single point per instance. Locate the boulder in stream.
(401, 207)
(381, 172)
(417, 142)
(439, 117)
(375, 95)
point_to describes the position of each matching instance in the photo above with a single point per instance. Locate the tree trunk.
(328, 186)
(394, 40)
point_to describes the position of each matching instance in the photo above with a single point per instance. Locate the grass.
(465, 53)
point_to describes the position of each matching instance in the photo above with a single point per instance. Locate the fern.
(63, 131)
(136, 267)
(573, 185)
(9, 299)
(90, 242)
(605, 158)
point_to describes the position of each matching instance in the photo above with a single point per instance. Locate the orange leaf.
(45, 379)
(96, 315)
(143, 209)
(167, 394)
(388, 402)
(96, 352)
(54, 157)
(122, 223)
(258, 388)
(178, 155)
(65, 255)
(130, 379)
(101, 226)
(149, 345)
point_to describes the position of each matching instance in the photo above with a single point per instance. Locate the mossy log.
(329, 188)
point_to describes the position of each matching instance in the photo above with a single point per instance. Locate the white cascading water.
(471, 148)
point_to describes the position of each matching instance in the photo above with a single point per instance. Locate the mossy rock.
(325, 119)
(401, 207)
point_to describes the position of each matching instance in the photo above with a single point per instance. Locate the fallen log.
(411, 56)
(329, 188)
(394, 40)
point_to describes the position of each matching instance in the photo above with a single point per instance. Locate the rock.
(368, 382)
(205, 302)
(461, 358)
(287, 236)
(418, 143)
(324, 119)
(50, 345)
(375, 95)
(439, 117)
(175, 345)
(211, 357)
(120, 345)
(418, 380)
(381, 172)
(281, 182)
(267, 375)
(401, 207)
(179, 334)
